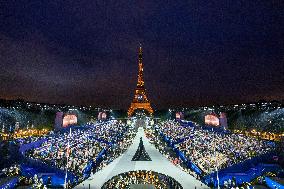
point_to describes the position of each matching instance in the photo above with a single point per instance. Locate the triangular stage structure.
(141, 154)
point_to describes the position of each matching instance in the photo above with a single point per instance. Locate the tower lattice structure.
(140, 100)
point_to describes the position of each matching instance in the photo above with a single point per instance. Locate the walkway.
(123, 164)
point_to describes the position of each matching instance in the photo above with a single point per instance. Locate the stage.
(158, 164)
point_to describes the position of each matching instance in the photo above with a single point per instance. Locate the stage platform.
(158, 164)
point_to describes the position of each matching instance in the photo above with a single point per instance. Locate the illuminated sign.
(179, 115)
(69, 119)
(212, 119)
(102, 115)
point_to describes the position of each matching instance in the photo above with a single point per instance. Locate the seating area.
(83, 150)
(209, 149)
(204, 151)
(75, 147)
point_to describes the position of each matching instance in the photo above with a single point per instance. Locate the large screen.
(69, 119)
(212, 120)
(179, 115)
(102, 115)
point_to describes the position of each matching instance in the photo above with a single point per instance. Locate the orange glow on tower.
(140, 100)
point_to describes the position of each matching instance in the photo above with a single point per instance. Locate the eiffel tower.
(140, 100)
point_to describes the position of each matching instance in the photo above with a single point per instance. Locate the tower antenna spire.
(140, 53)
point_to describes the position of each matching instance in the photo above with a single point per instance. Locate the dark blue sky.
(195, 52)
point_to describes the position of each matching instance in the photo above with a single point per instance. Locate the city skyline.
(195, 53)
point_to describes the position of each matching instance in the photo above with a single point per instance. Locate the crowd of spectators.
(118, 148)
(163, 148)
(208, 149)
(142, 177)
(75, 149)
(11, 171)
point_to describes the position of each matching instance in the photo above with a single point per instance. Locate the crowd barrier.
(32, 167)
(189, 163)
(10, 184)
(28, 146)
(91, 164)
(88, 169)
(245, 171)
(29, 167)
(181, 155)
(273, 184)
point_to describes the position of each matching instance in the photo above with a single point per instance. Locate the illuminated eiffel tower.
(140, 100)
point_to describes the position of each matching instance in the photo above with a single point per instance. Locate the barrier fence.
(10, 184)
(273, 184)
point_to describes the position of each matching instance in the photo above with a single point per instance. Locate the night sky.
(195, 52)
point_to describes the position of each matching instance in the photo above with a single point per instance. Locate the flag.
(68, 150)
